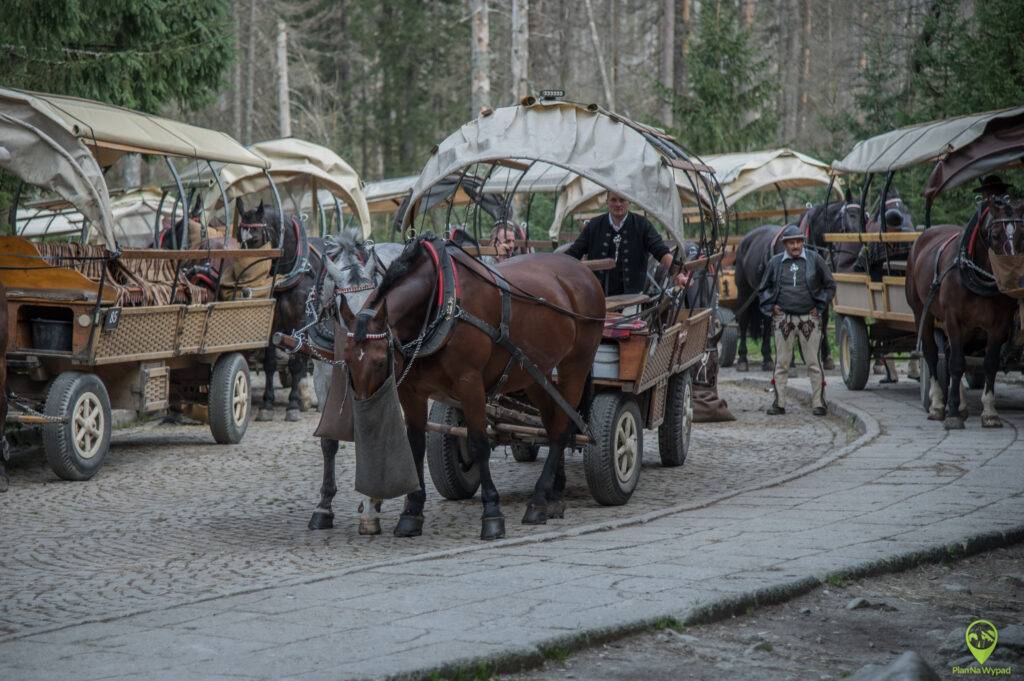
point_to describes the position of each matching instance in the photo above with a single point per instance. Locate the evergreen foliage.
(730, 103)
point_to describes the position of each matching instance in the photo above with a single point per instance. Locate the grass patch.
(481, 672)
(555, 653)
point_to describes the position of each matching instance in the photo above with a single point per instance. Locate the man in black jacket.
(626, 238)
(795, 292)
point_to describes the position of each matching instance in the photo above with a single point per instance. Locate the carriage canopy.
(298, 166)
(62, 144)
(1001, 146)
(924, 142)
(600, 146)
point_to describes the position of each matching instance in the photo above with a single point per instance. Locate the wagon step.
(501, 428)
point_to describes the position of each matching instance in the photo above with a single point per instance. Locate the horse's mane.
(398, 269)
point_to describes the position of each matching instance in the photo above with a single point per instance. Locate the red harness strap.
(440, 274)
(974, 232)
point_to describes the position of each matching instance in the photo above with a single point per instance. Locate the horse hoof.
(535, 515)
(935, 415)
(409, 526)
(369, 526)
(964, 414)
(265, 415)
(292, 415)
(986, 422)
(492, 528)
(742, 366)
(556, 509)
(953, 423)
(828, 364)
(321, 520)
(767, 366)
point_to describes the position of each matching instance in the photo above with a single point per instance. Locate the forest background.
(383, 82)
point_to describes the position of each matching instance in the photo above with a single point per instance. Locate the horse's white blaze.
(988, 403)
(936, 394)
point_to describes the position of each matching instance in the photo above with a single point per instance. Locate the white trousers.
(788, 330)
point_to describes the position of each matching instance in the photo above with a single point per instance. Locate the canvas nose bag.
(1009, 273)
(384, 464)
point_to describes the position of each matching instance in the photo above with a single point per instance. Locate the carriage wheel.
(612, 461)
(674, 431)
(729, 340)
(76, 449)
(446, 454)
(854, 352)
(230, 399)
(524, 453)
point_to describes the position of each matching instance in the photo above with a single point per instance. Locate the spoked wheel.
(76, 448)
(612, 461)
(674, 431)
(230, 399)
(455, 474)
(854, 352)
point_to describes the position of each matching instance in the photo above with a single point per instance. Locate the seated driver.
(505, 239)
(626, 238)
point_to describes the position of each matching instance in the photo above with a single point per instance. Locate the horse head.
(896, 216)
(253, 228)
(368, 350)
(1003, 227)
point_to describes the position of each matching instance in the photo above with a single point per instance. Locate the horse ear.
(196, 208)
(259, 208)
(346, 313)
(239, 206)
(848, 195)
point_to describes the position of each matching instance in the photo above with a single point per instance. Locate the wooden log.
(538, 434)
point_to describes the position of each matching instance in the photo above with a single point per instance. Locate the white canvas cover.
(40, 150)
(296, 167)
(134, 214)
(385, 196)
(918, 143)
(586, 141)
(541, 178)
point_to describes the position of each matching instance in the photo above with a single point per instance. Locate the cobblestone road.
(173, 518)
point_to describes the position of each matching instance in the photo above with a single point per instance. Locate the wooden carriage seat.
(155, 277)
(69, 256)
(613, 303)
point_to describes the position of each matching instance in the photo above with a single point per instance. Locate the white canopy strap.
(585, 140)
(919, 143)
(299, 165)
(43, 152)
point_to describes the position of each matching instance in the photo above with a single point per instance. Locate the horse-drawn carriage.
(876, 316)
(640, 376)
(95, 327)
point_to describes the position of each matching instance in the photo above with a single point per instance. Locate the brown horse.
(948, 279)
(3, 388)
(557, 312)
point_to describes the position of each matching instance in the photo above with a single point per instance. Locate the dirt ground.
(818, 636)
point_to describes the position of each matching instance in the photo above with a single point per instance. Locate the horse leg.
(955, 413)
(930, 350)
(545, 502)
(744, 324)
(989, 417)
(297, 369)
(369, 515)
(827, 363)
(472, 398)
(323, 515)
(410, 523)
(766, 345)
(266, 412)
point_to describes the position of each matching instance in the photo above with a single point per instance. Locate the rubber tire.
(607, 410)
(444, 457)
(854, 331)
(728, 343)
(926, 383)
(222, 417)
(524, 453)
(674, 432)
(58, 438)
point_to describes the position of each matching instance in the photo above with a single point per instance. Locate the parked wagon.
(97, 327)
(874, 319)
(641, 376)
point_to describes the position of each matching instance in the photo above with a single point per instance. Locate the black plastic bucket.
(51, 334)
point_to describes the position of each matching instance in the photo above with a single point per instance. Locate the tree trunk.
(250, 74)
(236, 73)
(520, 49)
(480, 56)
(284, 114)
(804, 82)
(747, 17)
(609, 95)
(668, 44)
(682, 53)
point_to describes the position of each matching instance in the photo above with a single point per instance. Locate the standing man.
(626, 238)
(795, 292)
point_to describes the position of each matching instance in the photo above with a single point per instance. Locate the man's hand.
(776, 310)
(814, 313)
(682, 279)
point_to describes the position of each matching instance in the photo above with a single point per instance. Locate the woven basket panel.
(155, 392)
(140, 331)
(660, 363)
(657, 413)
(192, 329)
(240, 324)
(695, 342)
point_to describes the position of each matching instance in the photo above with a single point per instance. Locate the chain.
(415, 353)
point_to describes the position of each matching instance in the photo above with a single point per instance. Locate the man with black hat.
(626, 238)
(795, 292)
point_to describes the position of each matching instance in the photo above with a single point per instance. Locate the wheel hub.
(626, 447)
(87, 425)
(240, 399)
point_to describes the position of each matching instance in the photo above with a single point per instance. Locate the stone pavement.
(905, 488)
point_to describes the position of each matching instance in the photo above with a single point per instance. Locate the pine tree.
(730, 104)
